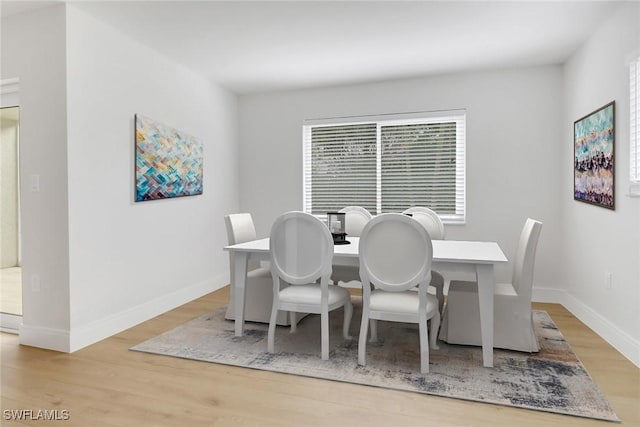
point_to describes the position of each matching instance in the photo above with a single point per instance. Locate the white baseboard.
(10, 323)
(62, 340)
(620, 340)
(68, 342)
(550, 295)
(95, 331)
(48, 338)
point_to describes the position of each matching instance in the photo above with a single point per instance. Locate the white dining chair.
(395, 257)
(356, 217)
(301, 253)
(513, 322)
(429, 219)
(259, 284)
(435, 227)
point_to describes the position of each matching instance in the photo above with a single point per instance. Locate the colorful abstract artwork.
(168, 161)
(594, 157)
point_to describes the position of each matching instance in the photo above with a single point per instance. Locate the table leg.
(486, 284)
(238, 282)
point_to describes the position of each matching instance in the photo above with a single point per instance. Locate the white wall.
(33, 50)
(131, 261)
(598, 240)
(513, 169)
(118, 262)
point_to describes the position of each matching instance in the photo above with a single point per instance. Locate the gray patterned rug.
(553, 380)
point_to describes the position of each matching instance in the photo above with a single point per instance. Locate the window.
(634, 85)
(386, 163)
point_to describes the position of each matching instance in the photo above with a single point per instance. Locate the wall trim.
(628, 346)
(548, 295)
(62, 340)
(624, 343)
(47, 338)
(93, 332)
(10, 323)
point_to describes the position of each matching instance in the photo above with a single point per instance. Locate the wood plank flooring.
(107, 385)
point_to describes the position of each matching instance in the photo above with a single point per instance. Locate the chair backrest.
(525, 259)
(240, 229)
(356, 217)
(301, 248)
(429, 220)
(395, 253)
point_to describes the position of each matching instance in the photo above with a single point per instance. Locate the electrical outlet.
(608, 279)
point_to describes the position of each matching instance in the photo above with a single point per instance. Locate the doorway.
(10, 258)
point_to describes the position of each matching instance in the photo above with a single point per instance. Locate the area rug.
(553, 380)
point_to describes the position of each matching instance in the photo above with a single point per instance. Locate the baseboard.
(10, 323)
(62, 340)
(93, 332)
(620, 340)
(550, 295)
(47, 338)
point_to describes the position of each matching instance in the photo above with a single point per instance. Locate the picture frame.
(169, 162)
(594, 157)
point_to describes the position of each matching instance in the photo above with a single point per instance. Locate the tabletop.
(462, 251)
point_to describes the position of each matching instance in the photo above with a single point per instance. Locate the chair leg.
(362, 341)
(374, 330)
(424, 343)
(348, 313)
(435, 325)
(324, 333)
(294, 321)
(437, 282)
(272, 329)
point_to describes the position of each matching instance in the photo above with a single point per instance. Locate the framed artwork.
(168, 161)
(594, 157)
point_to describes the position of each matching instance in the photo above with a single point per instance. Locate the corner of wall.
(47, 338)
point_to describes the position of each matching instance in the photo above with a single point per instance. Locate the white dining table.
(448, 255)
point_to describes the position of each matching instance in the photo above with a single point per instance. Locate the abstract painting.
(594, 157)
(168, 161)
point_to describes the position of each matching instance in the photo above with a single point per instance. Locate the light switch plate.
(35, 183)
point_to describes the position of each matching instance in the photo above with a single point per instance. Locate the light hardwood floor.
(107, 385)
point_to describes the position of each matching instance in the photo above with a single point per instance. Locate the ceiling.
(256, 46)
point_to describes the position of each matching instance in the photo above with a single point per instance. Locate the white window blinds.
(634, 85)
(342, 167)
(386, 163)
